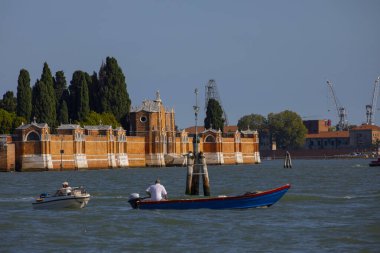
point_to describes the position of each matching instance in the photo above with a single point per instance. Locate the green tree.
(79, 98)
(47, 78)
(63, 113)
(94, 97)
(5, 122)
(287, 128)
(9, 121)
(43, 98)
(16, 122)
(61, 94)
(214, 115)
(105, 118)
(60, 86)
(24, 95)
(113, 94)
(9, 102)
(253, 122)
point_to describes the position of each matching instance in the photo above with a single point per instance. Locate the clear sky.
(265, 56)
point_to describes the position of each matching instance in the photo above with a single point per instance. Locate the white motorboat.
(77, 198)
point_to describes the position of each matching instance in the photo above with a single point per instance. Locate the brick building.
(152, 141)
(327, 140)
(317, 126)
(364, 137)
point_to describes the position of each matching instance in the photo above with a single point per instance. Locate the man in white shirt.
(65, 190)
(157, 191)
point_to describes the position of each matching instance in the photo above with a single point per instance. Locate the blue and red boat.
(247, 200)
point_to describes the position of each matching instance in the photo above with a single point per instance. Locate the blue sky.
(265, 56)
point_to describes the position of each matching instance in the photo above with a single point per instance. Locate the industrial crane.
(342, 114)
(371, 109)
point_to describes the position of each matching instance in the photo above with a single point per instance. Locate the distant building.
(327, 140)
(364, 136)
(317, 126)
(360, 138)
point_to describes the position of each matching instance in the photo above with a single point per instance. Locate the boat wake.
(109, 197)
(20, 199)
(314, 197)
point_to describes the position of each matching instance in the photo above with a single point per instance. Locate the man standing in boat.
(65, 190)
(157, 191)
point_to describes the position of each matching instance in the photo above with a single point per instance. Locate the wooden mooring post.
(206, 180)
(190, 169)
(288, 160)
(195, 179)
(196, 166)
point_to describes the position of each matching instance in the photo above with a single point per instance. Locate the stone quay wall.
(33, 148)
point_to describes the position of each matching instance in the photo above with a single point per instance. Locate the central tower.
(156, 123)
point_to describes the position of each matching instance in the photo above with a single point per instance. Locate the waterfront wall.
(7, 154)
(33, 148)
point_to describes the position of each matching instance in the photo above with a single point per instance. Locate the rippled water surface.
(333, 206)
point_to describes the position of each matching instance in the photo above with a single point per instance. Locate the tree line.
(89, 99)
(286, 127)
(103, 98)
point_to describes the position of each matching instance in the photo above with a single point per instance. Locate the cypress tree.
(60, 89)
(63, 113)
(79, 107)
(45, 110)
(214, 115)
(60, 86)
(9, 102)
(24, 95)
(42, 104)
(93, 89)
(113, 94)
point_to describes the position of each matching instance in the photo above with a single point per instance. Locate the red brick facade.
(152, 141)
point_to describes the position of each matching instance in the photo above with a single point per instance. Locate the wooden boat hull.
(248, 200)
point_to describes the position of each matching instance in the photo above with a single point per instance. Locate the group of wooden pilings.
(196, 167)
(288, 160)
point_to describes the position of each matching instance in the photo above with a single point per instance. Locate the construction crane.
(342, 114)
(370, 109)
(212, 93)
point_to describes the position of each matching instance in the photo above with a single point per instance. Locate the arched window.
(32, 136)
(210, 138)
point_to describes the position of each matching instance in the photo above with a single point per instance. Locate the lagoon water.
(333, 206)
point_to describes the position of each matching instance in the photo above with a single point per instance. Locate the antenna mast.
(212, 93)
(196, 110)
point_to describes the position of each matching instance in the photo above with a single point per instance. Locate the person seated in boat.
(157, 191)
(65, 190)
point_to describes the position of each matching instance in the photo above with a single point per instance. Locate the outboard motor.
(133, 198)
(44, 195)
